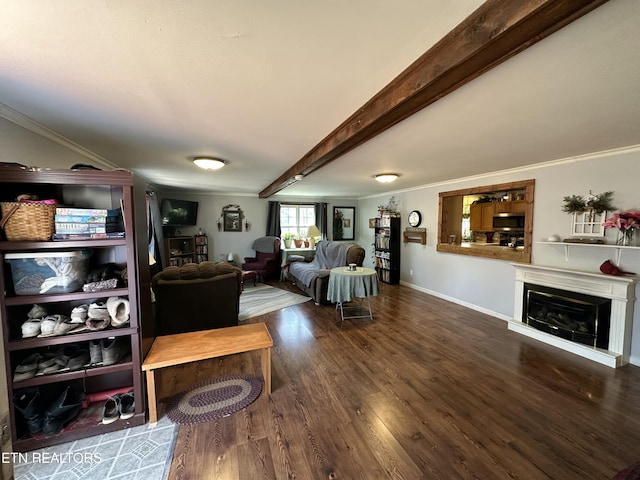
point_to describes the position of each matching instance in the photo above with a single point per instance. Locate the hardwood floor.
(428, 389)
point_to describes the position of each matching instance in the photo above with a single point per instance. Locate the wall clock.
(415, 218)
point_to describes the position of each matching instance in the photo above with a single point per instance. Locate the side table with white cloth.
(346, 285)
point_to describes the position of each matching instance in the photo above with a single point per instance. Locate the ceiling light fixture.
(298, 177)
(386, 177)
(209, 163)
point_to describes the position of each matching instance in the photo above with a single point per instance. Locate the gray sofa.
(313, 277)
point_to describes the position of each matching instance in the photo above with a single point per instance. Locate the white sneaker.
(31, 328)
(79, 314)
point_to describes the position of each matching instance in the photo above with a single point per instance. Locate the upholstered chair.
(197, 297)
(267, 259)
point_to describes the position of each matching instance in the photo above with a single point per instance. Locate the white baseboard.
(633, 359)
(457, 301)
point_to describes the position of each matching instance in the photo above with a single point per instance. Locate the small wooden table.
(171, 350)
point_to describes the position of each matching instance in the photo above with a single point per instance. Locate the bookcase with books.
(387, 248)
(53, 316)
(202, 248)
(180, 250)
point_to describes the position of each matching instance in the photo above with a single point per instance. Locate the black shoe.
(127, 405)
(111, 410)
(29, 403)
(95, 351)
(79, 359)
(27, 368)
(64, 409)
(114, 349)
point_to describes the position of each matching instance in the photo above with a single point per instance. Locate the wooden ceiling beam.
(496, 31)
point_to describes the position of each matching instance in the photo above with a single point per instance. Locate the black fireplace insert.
(573, 316)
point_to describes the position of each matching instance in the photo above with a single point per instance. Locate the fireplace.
(592, 313)
(573, 316)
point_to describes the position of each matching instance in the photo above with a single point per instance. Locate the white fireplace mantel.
(619, 289)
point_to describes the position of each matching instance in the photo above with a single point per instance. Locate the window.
(296, 219)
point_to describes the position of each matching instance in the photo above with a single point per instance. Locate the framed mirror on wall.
(344, 223)
(231, 219)
(492, 221)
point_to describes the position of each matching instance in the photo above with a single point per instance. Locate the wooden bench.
(171, 350)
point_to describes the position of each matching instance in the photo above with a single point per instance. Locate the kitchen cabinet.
(91, 382)
(481, 216)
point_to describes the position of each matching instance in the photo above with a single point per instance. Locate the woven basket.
(27, 221)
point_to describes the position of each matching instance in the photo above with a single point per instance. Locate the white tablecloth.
(345, 285)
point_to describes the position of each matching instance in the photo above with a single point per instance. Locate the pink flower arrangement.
(624, 221)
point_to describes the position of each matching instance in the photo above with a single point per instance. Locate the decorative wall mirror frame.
(344, 223)
(451, 212)
(232, 218)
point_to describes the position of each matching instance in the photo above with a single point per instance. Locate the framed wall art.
(344, 223)
(232, 218)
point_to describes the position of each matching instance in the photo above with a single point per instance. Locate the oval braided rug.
(215, 398)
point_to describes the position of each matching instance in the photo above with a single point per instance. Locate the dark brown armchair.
(267, 259)
(197, 297)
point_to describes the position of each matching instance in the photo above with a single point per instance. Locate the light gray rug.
(263, 299)
(142, 452)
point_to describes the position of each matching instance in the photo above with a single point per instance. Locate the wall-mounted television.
(178, 213)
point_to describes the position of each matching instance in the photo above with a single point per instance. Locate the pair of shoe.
(108, 351)
(79, 313)
(119, 407)
(115, 312)
(52, 419)
(31, 328)
(56, 325)
(70, 357)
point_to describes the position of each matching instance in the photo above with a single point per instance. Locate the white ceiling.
(146, 84)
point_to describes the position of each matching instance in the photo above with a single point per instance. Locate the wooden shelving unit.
(180, 250)
(387, 248)
(117, 188)
(201, 248)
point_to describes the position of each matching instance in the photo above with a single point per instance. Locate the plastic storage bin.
(35, 273)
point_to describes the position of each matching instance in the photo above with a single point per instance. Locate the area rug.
(144, 451)
(215, 398)
(263, 299)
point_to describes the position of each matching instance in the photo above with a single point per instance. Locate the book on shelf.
(87, 236)
(80, 219)
(80, 228)
(92, 212)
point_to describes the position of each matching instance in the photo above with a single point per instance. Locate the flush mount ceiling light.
(209, 163)
(386, 177)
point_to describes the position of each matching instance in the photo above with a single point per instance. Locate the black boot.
(64, 409)
(29, 403)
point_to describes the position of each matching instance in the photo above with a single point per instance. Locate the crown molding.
(28, 123)
(535, 166)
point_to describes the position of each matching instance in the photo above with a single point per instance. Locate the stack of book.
(87, 223)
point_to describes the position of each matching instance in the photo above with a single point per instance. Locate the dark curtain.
(273, 220)
(321, 218)
(156, 238)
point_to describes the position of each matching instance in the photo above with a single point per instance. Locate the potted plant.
(597, 203)
(288, 240)
(297, 241)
